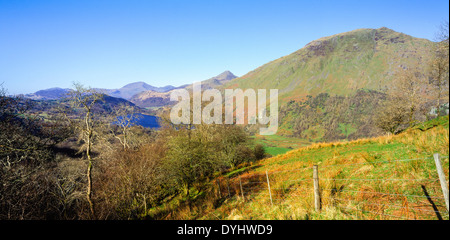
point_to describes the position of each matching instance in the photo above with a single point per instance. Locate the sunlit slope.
(340, 64)
(389, 177)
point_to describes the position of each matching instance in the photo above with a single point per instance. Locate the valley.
(367, 109)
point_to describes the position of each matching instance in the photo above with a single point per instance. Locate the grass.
(276, 144)
(360, 179)
(274, 151)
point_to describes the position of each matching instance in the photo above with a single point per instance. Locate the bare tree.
(124, 117)
(408, 90)
(390, 115)
(84, 99)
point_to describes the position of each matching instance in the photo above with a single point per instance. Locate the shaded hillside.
(46, 108)
(340, 64)
(48, 94)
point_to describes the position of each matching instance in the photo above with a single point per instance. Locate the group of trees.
(90, 161)
(415, 95)
(330, 118)
(28, 167)
(406, 102)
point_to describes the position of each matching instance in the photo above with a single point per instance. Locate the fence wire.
(250, 188)
(382, 193)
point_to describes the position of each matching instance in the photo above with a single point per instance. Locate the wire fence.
(392, 197)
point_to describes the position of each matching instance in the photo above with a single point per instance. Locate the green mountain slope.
(339, 64)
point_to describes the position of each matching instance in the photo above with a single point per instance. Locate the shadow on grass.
(436, 210)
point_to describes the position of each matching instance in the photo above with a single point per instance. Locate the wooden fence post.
(218, 183)
(437, 160)
(317, 203)
(242, 191)
(268, 185)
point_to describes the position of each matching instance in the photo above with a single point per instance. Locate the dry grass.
(368, 181)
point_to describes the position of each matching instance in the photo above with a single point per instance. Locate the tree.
(439, 66)
(124, 117)
(231, 140)
(84, 99)
(390, 115)
(408, 91)
(194, 153)
(131, 182)
(192, 156)
(259, 152)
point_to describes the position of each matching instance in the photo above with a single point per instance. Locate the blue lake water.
(146, 121)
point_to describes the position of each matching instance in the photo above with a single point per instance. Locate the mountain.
(48, 94)
(129, 90)
(340, 64)
(125, 92)
(218, 80)
(330, 89)
(152, 98)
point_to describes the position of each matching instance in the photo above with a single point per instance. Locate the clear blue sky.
(108, 43)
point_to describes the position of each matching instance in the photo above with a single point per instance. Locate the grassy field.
(388, 177)
(276, 145)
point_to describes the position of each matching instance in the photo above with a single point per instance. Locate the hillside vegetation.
(342, 87)
(387, 177)
(331, 118)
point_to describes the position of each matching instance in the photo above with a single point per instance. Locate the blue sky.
(108, 43)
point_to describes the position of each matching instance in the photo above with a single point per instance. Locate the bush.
(259, 152)
(244, 155)
(131, 182)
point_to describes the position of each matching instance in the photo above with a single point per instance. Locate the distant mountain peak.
(385, 29)
(227, 75)
(137, 85)
(227, 72)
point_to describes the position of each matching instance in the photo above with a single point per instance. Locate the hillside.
(46, 108)
(48, 94)
(152, 98)
(339, 64)
(388, 177)
(131, 89)
(330, 89)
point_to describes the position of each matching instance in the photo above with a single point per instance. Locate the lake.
(147, 121)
